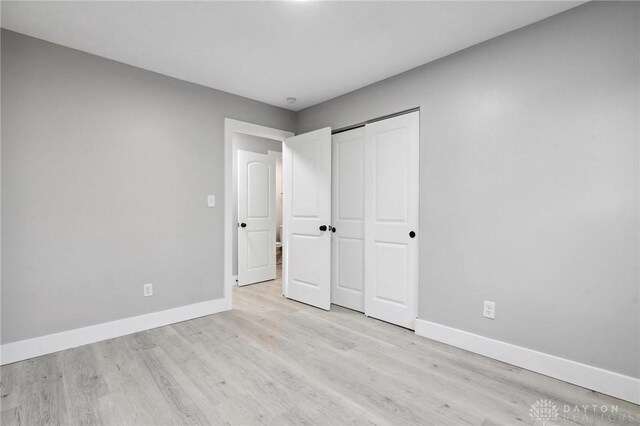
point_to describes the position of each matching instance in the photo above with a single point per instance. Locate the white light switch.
(211, 200)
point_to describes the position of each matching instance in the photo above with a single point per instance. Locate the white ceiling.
(268, 51)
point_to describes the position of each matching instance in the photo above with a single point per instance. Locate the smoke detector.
(291, 101)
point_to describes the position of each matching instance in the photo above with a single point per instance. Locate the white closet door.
(306, 170)
(391, 217)
(347, 248)
(256, 218)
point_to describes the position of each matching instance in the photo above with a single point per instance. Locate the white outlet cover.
(489, 309)
(211, 200)
(148, 290)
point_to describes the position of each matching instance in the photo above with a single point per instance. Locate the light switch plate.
(211, 200)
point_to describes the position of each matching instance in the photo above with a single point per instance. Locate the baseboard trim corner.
(37, 346)
(597, 379)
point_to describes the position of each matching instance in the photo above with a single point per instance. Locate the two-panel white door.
(367, 190)
(256, 218)
(347, 248)
(391, 219)
(306, 173)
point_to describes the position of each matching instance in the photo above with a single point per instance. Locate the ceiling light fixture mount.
(291, 100)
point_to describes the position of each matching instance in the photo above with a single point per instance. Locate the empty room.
(320, 213)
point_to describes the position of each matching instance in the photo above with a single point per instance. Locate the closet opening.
(375, 203)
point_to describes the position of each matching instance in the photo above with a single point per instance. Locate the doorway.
(246, 134)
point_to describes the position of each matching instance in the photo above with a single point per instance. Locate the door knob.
(412, 234)
(243, 225)
(323, 227)
(333, 229)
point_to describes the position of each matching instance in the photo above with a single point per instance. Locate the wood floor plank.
(206, 373)
(132, 389)
(83, 386)
(10, 416)
(10, 383)
(174, 395)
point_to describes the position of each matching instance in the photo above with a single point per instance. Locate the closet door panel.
(306, 213)
(391, 214)
(347, 250)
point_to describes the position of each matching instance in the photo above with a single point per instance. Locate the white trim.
(230, 128)
(598, 379)
(278, 154)
(29, 348)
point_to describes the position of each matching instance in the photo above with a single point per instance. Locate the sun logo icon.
(543, 411)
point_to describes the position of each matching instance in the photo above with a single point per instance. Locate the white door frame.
(278, 156)
(232, 127)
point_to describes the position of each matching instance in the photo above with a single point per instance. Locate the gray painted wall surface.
(105, 173)
(253, 144)
(529, 183)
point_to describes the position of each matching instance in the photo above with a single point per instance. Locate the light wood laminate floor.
(275, 361)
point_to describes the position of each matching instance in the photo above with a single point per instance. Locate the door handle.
(333, 229)
(323, 228)
(243, 225)
(412, 234)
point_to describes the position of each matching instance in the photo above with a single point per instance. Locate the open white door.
(306, 173)
(391, 219)
(256, 217)
(347, 251)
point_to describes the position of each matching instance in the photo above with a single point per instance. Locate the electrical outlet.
(211, 200)
(489, 310)
(148, 290)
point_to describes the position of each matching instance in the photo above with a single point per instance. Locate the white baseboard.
(29, 348)
(598, 379)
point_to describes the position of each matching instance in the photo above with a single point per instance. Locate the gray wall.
(529, 183)
(105, 173)
(253, 144)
